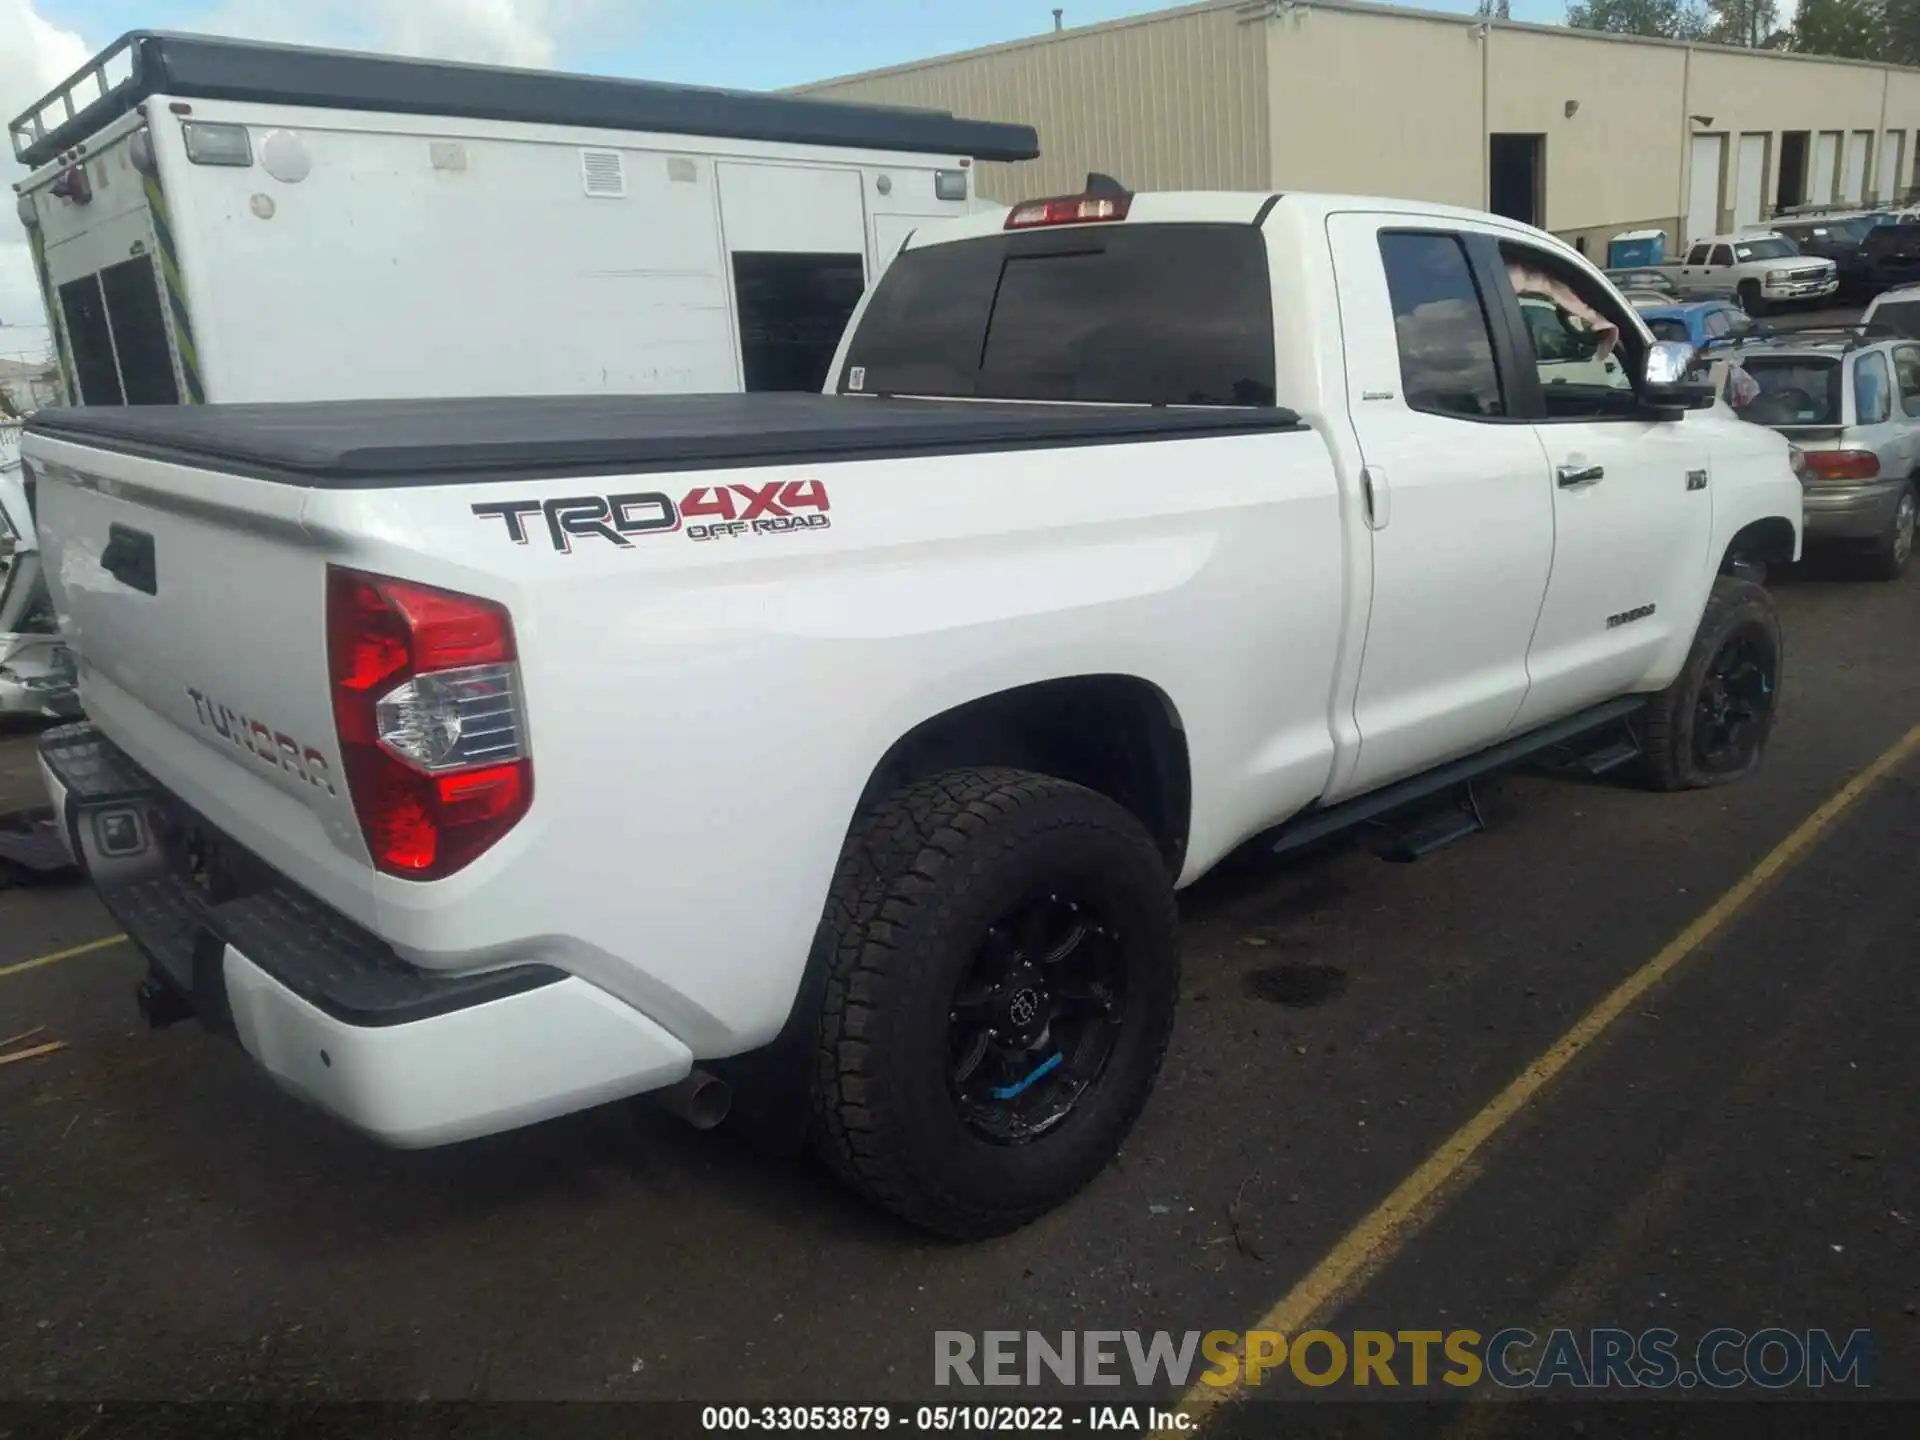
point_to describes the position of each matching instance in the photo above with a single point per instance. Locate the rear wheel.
(1888, 558)
(1711, 724)
(1000, 994)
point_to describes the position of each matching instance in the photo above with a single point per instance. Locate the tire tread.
(895, 862)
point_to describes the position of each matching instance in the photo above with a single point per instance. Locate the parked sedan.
(1702, 324)
(1851, 402)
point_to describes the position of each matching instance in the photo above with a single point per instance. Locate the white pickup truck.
(1759, 269)
(837, 757)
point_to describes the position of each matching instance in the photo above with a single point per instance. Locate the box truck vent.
(603, 173)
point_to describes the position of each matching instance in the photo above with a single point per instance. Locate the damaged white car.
(36, 669)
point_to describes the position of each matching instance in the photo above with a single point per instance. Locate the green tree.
(1902, 21)
(1851, 29)
(1666, 19)
(1752, 24)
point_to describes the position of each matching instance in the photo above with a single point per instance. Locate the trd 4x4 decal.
(770, 509)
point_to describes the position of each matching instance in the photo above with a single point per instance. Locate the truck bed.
(355, 444)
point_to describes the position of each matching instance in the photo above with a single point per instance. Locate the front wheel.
(1751, 300)
(1711, 724)
(1000, 993)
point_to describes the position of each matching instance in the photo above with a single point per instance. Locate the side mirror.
(1667, 383)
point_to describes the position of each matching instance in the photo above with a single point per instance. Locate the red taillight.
(426, 701)
(1067, 210)
(1842, 464)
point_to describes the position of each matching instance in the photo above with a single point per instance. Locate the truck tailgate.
(194, 604)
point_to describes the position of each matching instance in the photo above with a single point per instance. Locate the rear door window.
(1906, 374)
(1872, 390)
(1144, 315)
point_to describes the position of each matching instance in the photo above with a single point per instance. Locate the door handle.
(1581, 474)
(1378, 498)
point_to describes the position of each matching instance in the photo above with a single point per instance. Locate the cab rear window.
(1141, 315)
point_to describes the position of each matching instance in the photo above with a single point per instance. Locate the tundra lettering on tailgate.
(770, 509)
(263, 742)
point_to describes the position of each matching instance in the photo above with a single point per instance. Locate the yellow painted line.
(1399, 1217)
(33, 1054)
(21, 966)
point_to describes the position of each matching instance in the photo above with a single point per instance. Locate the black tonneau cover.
(348, 444)
(186, 67)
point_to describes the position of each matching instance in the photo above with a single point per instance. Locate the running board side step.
(1456, 822)
(1377, 806)
(1598, 752)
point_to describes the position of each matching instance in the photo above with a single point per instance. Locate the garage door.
(1859, 143)
(1893, 154)
(1751, 187)
(1826, 168)
(1703, 188)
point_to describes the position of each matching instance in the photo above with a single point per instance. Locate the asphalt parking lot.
(1737, 1148)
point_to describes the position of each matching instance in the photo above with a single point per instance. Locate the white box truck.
(231, 221)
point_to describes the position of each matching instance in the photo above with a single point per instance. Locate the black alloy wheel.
(1033, 1020)
(1734, 703)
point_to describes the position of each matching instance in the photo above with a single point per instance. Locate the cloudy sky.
(753, 44)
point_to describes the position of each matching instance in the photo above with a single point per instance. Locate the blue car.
(1703, 324)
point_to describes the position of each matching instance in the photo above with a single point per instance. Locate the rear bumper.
(1852, 512)
(409, 1056)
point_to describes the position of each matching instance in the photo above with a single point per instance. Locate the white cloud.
(37, 56)
(488, 32)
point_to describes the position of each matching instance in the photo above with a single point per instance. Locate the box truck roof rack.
(143, 63)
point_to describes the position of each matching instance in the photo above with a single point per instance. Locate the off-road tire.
(1667, 737)
(921, 878)
(1887, 559)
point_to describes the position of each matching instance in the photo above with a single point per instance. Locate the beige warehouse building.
(1584, 134)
